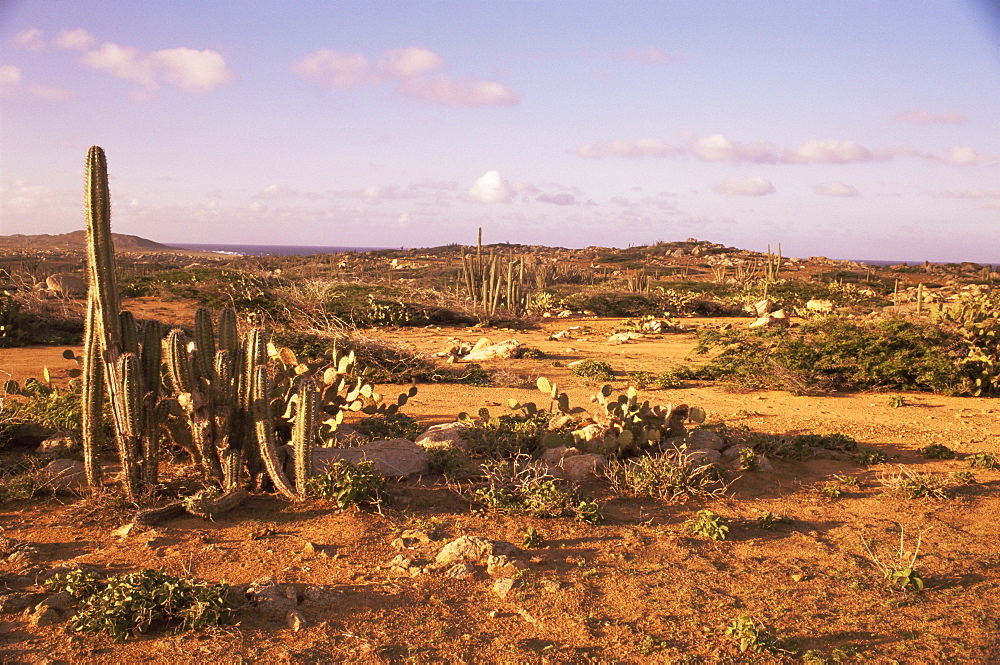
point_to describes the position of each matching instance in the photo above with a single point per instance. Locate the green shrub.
(937, 451)
(672, 476)
(520, 487)
(801, 446)
(348, 485)
(708, 525)
(870, 457)
(389, 426)
(126, 605)
(982, 461)
(836, 354)
(506, 435)
(596, 370)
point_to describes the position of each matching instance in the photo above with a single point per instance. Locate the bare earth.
(636, 588)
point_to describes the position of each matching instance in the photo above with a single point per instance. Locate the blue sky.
(861, 129)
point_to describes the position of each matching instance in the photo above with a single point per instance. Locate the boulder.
(395, 458)
(623, 338)
(62, 475)
(472, 549)
(581, 467)
(60, 444)
(66, 285)
(447, 436)
(499, 351)
(773, 319)
(820, 306)
(702, 439)
(704, 456)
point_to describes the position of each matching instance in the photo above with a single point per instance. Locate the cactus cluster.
(214, 398)
(492, 283)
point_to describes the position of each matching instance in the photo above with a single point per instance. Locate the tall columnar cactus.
(104, 338)
(304, 434)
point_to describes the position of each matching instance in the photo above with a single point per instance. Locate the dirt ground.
(635, 588)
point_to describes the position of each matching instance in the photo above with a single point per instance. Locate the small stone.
(44, 616)
(460, 571)
(12, 603)
(312, 548)
(295, 620)
(503, 586)
(550, 586)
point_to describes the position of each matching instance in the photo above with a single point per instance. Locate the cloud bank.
(755, 186)
(414, 72)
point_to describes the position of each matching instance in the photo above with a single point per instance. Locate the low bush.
(348, 485)
(836, 354)
(520, 486)
(597, 370)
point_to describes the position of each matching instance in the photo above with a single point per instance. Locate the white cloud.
(833, 151)
(963, 155)
(10, 76)
(192, 70)
(717, 148)
(755, 186)
(30, 39)
(77, 39)
(562, 199)
(184, 68)
(416, 72)
(633, 149)
(491, 188)
(835, 189)
(925, 117)
(407, 62)
(333, 69)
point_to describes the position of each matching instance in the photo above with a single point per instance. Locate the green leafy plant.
(911, 485)
(521, 487)
(937, 451)
(748, 459)
(125, 605)
(505, 435)
(832, 490)
(346, 484)
(767, 520)
(389, 426)
(982, 461)
(595, 370)
(640, 378)
(963, 477)
(897, 401)
(675, 475)
(532, 538)
(870, 457)
(708, 525)
(754, 636)
(899, 569)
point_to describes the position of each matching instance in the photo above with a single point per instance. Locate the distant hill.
(77, 240)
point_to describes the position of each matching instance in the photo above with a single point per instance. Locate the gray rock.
(447, 436)
(460, 571)
(499, 351)
(472, 549)
(60, 444)
(45, 616)
(12, 603)
(773, 319)
(704, 456)
(63, 600)
(396, 458)
(274, 601)
(701, 439)
(503, 586)
(66, 285)
(581, 467)
(62, 475)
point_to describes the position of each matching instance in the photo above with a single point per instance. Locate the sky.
(862, 129)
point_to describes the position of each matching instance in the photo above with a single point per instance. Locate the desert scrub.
(982, 461)
(800, 446)
(708, 525)
(126, 605)
(346, 484)
(937, 451)
(389, 426)
(836, 354)
(674, 476)
(36, 402)
(596, 370)
(506, 435)
(520, 486)
(909, 484)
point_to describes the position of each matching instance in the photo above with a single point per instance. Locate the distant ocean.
(271, 250)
